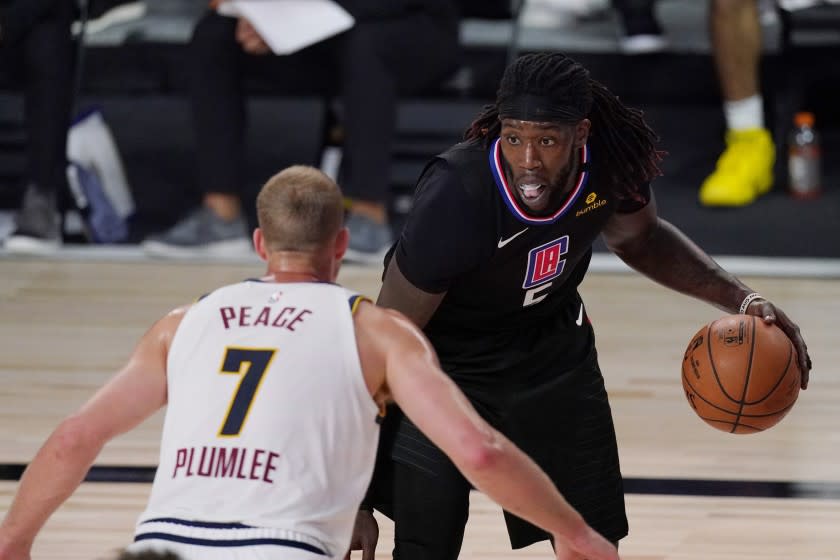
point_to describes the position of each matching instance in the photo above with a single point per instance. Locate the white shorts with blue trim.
(196, 540)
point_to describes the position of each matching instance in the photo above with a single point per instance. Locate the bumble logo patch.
(592, 203)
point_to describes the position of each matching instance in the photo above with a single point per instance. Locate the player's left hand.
(770, 314)
(365, 535)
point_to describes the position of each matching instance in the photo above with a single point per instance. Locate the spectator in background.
(395, 46)
(745, 169)
(36, 50)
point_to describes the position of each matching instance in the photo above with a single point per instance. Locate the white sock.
(744, 113)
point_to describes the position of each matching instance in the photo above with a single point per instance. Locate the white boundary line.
(774, 267)
(778, 267)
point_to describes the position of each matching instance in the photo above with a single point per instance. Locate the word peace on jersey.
(247, 316)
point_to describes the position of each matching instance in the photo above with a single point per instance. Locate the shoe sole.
(763, 187)
(20, 245)
(222, 249)
(642, 44)
(116, 16)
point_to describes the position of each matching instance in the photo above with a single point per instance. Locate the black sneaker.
(37, 224)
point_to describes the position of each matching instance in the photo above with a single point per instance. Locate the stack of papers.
(290, 25)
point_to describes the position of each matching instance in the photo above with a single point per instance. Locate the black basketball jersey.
(510, 278)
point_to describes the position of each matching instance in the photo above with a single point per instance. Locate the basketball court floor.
(694, 493)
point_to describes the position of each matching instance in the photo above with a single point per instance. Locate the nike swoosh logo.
(579, 321)
(503, 242)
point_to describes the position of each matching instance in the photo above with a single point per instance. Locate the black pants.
(565, 425)
(367, 67)
(630, 10)
(37, 56)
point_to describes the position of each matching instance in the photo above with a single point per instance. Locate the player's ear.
(341, 242)
(259, 244)
(582, 129)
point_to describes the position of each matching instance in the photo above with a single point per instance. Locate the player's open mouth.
(531, 191)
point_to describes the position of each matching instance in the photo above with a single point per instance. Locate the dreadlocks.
(619, 134)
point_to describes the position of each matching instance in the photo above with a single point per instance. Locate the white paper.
(290, 25)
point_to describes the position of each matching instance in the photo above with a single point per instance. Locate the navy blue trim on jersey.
(355, 301)
(229, 542)
(202, 524)
(509, 198)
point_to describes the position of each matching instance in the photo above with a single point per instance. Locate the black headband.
(537, 108)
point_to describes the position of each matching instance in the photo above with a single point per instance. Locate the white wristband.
(747, 301)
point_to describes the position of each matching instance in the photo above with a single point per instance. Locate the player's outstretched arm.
(390, 343)
(133, 394)
(663, 253)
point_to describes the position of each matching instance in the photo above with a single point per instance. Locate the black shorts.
(564, 424)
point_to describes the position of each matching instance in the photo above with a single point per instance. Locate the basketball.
(740, 375)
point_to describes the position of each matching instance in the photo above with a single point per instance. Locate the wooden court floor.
(66, 326)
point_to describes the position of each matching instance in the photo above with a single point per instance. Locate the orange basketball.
(740, 375)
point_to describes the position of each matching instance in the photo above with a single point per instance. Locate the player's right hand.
(365, 535)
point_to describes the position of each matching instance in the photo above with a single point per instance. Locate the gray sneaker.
(369, 240)
(37, 224)
(201, 234)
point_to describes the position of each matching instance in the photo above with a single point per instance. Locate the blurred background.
(132, 68)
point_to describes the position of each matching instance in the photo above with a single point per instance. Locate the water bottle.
(804, 180)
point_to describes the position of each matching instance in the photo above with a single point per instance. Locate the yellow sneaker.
(744, 170)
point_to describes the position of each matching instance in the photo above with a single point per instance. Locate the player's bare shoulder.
(386, 322)
(163, 331)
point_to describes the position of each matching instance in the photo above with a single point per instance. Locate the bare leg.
(735, 32)
(226, 206)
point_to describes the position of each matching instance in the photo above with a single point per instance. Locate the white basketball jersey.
(270, 433)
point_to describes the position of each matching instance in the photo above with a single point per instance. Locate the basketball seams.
(687, 381)
(712, 364)
(747, 377)
(779, 380)
(770, 414)
(735, 426)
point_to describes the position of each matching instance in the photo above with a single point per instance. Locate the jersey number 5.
(255, 362)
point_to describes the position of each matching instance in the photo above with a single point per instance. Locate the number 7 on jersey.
(256, 362)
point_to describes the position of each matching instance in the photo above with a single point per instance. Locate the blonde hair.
(299, 209)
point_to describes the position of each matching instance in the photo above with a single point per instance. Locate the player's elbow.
(481, 451)
(74, 437)
(629, 243)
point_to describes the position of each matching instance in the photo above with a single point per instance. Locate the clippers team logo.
(545, 262)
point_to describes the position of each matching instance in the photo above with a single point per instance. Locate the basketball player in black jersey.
(499, 238)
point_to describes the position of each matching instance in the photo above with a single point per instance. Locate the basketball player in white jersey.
(273, 389)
